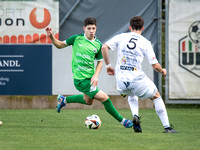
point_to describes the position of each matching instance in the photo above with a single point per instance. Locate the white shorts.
(143, 88)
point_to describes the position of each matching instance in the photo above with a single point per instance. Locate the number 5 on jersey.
(131, 44)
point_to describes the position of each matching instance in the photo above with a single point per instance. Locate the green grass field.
(44, 129)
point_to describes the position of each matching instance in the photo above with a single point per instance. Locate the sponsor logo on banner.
(44, 23)
(25, 22)
(11, 63)
(25, 69)
(189, 49)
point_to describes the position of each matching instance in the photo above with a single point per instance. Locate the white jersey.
(132, 48)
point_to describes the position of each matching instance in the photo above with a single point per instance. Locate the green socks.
(107, 104)
(75, 99)
(111, 110)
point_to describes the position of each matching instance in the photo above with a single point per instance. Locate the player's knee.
(101, 96)
(156, 95)
(89, 103)
(88, 100)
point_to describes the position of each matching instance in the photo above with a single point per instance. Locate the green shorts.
(85, 87)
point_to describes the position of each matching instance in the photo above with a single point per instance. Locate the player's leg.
(88, 93)
(91, 92)
(130, 88)
(103, 97)
(162, 112)
(62, 101)
(80, 98)
(133, 104)
(83, 86)
(125, 89)
(150, 91)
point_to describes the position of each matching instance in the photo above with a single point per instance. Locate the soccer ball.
(194, 32)
(92, 122)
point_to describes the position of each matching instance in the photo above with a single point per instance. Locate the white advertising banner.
(184, 50)
(25, 21)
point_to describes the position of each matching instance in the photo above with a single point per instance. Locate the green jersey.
(83, 55)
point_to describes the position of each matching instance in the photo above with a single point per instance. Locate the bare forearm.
(157, 67)
(105, 54)
(98, 68)
(57, 43)
(94, 79)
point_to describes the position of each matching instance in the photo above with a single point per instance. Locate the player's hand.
(94, 81)
(110, 70)
(49, 31)
(164, 72)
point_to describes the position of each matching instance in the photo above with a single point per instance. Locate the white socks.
(122, 122)
(161, 111)
(133, 103)
(159, 107)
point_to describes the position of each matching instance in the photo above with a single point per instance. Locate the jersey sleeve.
(70, 40)
(99, 55)
(113, 42)
(150, 55)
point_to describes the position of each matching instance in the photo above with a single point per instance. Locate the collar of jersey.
(135, 33)
(88, 39)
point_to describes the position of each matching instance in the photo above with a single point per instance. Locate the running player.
(86, 48)
(131, 80)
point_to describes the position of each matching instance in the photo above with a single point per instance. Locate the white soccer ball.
(1, 123)
(92, 122)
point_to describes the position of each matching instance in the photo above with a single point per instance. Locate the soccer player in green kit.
(86, 48)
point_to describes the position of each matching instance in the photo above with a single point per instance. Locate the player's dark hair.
(90, 21)
(137, 23)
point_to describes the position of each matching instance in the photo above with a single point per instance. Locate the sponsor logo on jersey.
(95, 50)
(128, 68)
(123, 60)
(126, 84)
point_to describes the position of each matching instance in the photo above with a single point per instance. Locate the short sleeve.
(150, 55)
(113, 42)
(99, 55)
(70, 40)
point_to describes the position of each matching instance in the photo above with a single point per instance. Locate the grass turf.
(30, 129)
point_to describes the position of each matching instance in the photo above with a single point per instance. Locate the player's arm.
(157, 67)
(105, 54)
(59, 44)
(151, 57)
(94, 79)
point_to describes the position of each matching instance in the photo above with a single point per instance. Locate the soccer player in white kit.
(131, 80)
